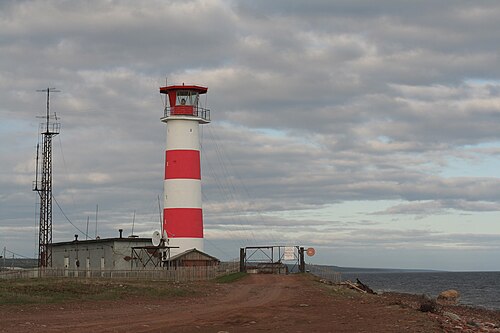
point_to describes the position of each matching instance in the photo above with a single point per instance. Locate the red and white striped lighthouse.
(182, 212)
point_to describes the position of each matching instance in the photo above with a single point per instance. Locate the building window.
(186, 97)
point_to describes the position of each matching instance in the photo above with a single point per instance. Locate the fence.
(324, 272)
(180, 274)
(19, 273)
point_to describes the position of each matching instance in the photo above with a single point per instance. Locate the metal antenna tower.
(44, 187)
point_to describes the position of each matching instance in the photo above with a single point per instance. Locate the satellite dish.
(311, 251)
(156, 239)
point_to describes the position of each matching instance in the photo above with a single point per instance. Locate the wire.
(17, 254)
(65, 168)
(250, 199)
(222, 157)
(218, 248)
(57, 203)
(223, 188)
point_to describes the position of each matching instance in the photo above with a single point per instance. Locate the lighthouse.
(182, 211)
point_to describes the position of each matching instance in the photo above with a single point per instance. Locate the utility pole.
(96, 211)
(87, 231)
(4, 253)
(44, 186)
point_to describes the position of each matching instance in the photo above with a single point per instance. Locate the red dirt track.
(257, 303)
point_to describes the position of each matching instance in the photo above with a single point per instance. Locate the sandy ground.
(267, 303)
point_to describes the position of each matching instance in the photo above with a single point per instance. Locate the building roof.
(168, 89)
(180, 255)
(105, 240)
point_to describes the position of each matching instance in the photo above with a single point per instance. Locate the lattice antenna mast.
(44, 186)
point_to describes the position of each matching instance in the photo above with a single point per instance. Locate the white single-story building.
(104, 254)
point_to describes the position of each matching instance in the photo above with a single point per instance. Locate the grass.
(230, 277)
(27, 291)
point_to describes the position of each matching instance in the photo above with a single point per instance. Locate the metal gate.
(273, 259)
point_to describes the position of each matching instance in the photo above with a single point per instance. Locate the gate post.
(242, 260)
(302, 263)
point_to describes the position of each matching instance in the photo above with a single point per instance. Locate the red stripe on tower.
(183, 222)
(182, 164)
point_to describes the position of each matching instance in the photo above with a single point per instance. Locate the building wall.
(197, 263)
(193, 259)
(108, 254)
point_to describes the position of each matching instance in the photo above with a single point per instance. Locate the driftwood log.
(364, 287)
(353, 286)
(358, 286)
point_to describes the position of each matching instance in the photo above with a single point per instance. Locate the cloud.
(426, 208)
(312, 104)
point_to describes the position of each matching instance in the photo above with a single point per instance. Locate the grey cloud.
(440, 207)
(312, 104)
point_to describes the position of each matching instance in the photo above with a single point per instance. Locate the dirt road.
(271, 303)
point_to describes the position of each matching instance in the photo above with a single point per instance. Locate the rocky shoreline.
(452, 318)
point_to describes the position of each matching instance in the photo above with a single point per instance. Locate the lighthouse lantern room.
(182, 211)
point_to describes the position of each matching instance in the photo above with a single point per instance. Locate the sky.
(367, 130)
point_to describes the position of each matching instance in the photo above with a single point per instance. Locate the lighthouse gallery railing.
(190, 111)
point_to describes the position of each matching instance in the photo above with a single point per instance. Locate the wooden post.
(242, 260)
(302, 264)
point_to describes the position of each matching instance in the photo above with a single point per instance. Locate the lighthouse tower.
(182, 212)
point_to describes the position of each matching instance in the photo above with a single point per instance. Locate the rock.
(452, 316)
(448, 297)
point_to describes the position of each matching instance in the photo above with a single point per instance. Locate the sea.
(478, 289)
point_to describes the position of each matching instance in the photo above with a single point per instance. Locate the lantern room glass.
(187, 97)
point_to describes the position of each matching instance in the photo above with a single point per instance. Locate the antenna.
(133, 223)
(159, 211)
(166, 97)
(96, 211)
(87, 231)
(48, 90)
(4, 254)
(48, 131)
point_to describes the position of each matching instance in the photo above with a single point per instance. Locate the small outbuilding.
(99, 254)
(192, 258)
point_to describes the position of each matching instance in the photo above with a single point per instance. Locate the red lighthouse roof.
(168, 89)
